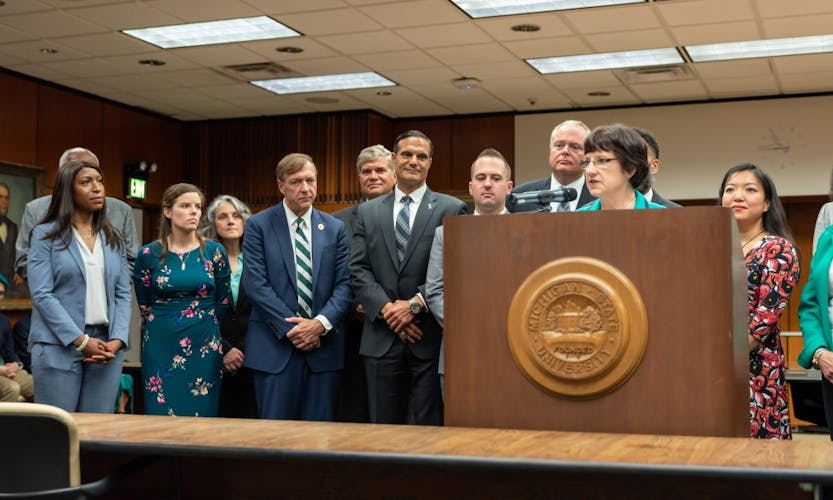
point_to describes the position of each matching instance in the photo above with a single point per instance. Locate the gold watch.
(816, 356)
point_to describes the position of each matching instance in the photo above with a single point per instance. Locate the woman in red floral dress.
(771, 273)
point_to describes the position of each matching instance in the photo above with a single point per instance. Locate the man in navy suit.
(566, 153)
(295, 273)
(390, 250)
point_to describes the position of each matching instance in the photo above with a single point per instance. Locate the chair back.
(39, 448)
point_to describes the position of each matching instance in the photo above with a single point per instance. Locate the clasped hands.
(306, 334)
(98, 351)
(400, 319)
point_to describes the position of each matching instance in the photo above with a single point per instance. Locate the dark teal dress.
(180, 301)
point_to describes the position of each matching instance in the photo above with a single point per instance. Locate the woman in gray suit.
(80, 286)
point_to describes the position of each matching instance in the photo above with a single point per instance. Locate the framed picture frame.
(19, 184)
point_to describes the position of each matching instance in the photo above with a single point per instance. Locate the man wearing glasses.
(390, 250)
(566, 154)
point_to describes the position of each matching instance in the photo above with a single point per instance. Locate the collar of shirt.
(416, 195)
(291, 217)
(578, 185)
(502, 212)
(649, 196)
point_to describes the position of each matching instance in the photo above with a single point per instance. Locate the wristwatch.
(414, 306)
(815, 361)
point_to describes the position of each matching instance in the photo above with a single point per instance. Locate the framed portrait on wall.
(19, 184)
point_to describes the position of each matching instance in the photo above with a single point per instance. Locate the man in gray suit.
(490, 184)
(119, 213)
(376, 178)
(566, 153)
(390, 249)
(647, 186)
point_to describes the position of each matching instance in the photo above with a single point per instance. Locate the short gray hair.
(373, 153)
(210, 229)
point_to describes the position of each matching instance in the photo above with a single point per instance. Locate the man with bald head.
(119, 213)
(566, 154)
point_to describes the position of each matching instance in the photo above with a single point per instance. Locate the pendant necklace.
(750, 240)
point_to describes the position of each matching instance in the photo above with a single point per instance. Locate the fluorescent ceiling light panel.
(761, 48)
(493, 8)
(609, 60)
(344, 81)
(243, 29)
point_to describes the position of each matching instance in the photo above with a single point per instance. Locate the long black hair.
(62, 207)
(773, 220)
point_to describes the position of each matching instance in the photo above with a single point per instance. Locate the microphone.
(544, 197)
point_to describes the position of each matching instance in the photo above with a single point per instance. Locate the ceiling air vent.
(258, 71)
(655, 74)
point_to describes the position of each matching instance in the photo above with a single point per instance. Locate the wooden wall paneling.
(379, 130)
(471, 135)
(65, 120)
(439, 131)
(18, 119)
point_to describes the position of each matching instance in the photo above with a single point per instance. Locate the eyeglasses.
(599, 163)
(572, 146)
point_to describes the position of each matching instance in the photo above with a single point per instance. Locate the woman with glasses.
(226, 221)
(772, 272)
(80, 286)
(615, 164)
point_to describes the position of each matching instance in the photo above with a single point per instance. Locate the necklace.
(182, 257)
(750, 240)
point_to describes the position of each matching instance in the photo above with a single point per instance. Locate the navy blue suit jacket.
(269, 279)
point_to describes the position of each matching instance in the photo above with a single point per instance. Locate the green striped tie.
(303, 270)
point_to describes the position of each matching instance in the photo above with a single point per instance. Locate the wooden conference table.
(231, 458)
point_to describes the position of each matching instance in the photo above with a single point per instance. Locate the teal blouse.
(641, 204)
(813, 312)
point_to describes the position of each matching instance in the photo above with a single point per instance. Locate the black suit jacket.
(540, 185)
(235, 322)
(378, 277)
(7, 251)
(662, 201)
(352, 325)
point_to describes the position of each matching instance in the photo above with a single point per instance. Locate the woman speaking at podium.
(615, 163)
(772, 272)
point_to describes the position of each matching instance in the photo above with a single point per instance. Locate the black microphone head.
(570, 194)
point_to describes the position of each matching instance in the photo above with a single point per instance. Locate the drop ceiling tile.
(500, 28)
(525, 94)
(730, 87)
(548, 47)
(498, 70)
(272, 105)
(415, 107)
(330, 22)
(445, 90)
(392, 61)
(590, 80)
(39, 71)
(105, 44)
(670, 91)
(484, 103)
(178, 96)
(818, 24)
(366, 43)
(806, 82)
(7, 61)
(705, 12)
(618, 96)
(22, 6)
(799, 64)
(201, 10)
(233, 92)
(606, 19)
(415, 13)
(311, 49)
(132, 83)
(630, 40)
(716, 33)
(779, 8)
(130, 63)
(71, 4)
(201, 77)
(52, 24)
(309, 99)
(732, 69)
(90, 86)
(89, 68)
(422, 76)
(446, 35)
(31, 51)
(484, 53)
(126, 16)
(8, 34)
(273, 7)
(218, 55)
(326, 66)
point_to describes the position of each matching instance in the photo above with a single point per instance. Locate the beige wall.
(698, 142)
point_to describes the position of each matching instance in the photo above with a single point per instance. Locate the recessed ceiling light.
(492, 8)
(152, 62)
(466, 83)
(384, 93)
(326, 82)
(761, 48)
(526, 28)
(48, 50)
(598, 93)
(290, 50)
(230, 30)
(607, 60)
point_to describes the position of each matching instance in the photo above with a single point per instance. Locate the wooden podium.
(686, 265)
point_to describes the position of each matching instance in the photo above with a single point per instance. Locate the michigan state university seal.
(577, 327)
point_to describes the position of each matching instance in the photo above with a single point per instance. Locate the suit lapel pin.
(320, 226)
(430, 205)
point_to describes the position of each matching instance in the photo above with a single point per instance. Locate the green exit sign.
(137, 188)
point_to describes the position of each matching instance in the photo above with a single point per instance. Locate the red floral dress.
(771, 273)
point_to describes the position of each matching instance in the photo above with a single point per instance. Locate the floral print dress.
(180, 300)
(771, 273)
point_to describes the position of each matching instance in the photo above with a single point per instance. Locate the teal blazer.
(641, 204)
(812, 310)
